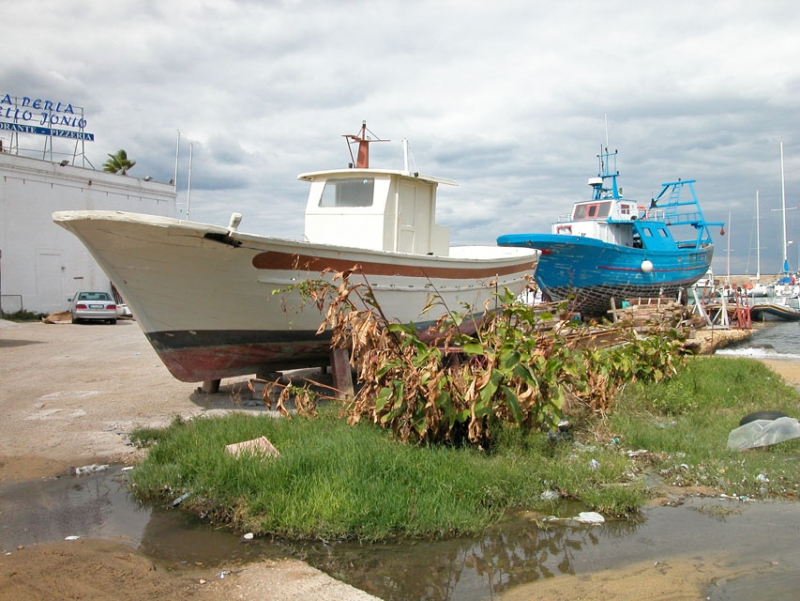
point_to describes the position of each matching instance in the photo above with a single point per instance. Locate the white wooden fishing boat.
(207, 296)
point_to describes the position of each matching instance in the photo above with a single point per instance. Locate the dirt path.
(68, 395)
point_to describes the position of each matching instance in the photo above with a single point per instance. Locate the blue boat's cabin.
(617, 221)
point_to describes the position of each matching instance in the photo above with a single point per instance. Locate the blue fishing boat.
(611, 247)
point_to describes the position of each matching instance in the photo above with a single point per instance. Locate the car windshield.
(94, 296)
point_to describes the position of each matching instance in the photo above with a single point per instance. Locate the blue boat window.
(591, 211)
(355, 192)
(647, 232)
(663, 232)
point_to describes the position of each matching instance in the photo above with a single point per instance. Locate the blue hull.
(589, 272)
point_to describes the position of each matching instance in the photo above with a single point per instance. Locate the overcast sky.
(508, 98)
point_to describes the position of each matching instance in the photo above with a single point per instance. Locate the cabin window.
(662, 232)
(591, 211)
(355, 192)
(647, 232)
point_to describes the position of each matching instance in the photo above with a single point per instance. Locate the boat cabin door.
(414, 218)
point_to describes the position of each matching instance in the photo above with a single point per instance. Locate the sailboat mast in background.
(783, 210)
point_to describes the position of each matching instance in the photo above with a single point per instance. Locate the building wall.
(42, 265)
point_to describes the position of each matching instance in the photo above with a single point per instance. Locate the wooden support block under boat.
(342, 376)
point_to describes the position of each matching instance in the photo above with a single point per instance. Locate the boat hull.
(588, 272)
(214, 302)
(773, 312)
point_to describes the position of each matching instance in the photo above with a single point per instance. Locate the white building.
(42, 265)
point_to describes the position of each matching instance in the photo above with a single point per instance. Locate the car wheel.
(75, 319)
(112, 321)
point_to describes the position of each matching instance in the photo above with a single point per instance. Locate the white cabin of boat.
(375, 209)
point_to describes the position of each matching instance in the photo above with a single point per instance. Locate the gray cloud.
(508, 98)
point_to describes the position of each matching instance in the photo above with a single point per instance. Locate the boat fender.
(647, 266)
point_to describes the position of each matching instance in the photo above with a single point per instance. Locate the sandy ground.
(70, 393)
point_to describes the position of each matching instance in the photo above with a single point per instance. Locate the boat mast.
(758, 243)
(362, 159)
(783, 209)
(189, 182)
(729, 249)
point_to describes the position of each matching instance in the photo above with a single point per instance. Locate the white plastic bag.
(763, 432)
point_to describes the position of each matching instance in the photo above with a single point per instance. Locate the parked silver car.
(93, 306)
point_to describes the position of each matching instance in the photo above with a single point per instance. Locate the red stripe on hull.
(290, 261)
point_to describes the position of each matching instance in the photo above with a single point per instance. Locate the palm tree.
(118, 163)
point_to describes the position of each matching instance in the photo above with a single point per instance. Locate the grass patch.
(334, 481)
(686, 421)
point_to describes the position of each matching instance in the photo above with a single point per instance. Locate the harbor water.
(776, 340)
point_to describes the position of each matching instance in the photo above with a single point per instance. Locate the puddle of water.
(759, 542)
(95, 505)
(98, 505)
(754, 538)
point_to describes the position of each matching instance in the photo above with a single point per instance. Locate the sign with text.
(43, 117)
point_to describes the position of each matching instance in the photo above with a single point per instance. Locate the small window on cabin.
(662, 232)
(356, 192)
(593, 211)
(647, 232)
(580, 212)
(604, 209)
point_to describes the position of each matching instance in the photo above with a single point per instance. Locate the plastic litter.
(589, 517)
(73, 537)
(182, 498)
(90, 469)
(763, 433)
(549, 495)
(584, 517)
(594, 464)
